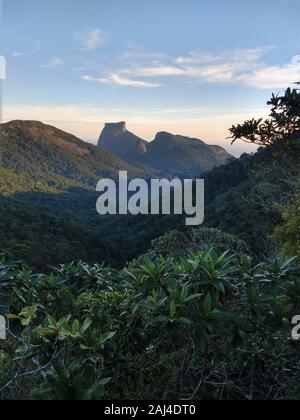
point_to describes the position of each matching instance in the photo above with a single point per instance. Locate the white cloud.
(33, 51)
(197, 58)
(207, 67)
(275, 76)
(157, 71)
(55, 63)
(122, 81)
(116, 79)
(240, 66)
(226, 67)
(237, 55)
(88, 78)
(92, 39)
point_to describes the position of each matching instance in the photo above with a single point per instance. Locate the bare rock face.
(118, 140)
(113, 130)
(167, 154)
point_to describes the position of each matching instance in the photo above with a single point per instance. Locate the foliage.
(203, 326)
(47, 200)
(195, 240)
(47, 210)
(245, 197)
(282, 126)
(53, 157)
(288, 233)
(193, 318)
(49, 226)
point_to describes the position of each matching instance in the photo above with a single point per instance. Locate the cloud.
(275, 76)
(88, 78)
(55, 63)
(197, 58)
(208, 67)
(239, 66)
(92, 39)
(239, 57)
(157, 71)
(116, 79)
(33, 51)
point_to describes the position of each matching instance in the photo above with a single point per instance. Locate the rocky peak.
(115, 129)
(168, 153)
(117, 139)
(163, 135)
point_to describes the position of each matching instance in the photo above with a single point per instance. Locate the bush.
(288, 233)
(197, 239)
(203, 326)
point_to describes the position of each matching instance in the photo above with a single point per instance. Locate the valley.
(48, 196)
(149, 203)
(109, 304)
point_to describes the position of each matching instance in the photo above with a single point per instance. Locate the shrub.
(204, 326)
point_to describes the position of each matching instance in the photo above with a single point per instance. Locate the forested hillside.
(48, 201)
(203, 314)
(247, 197)
(48, 212)
(48, 154)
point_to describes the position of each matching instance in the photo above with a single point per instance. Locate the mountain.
(171, 155)
(47, 196)
(49, 154)
(183, 156)
(116, 139)
(48, 200)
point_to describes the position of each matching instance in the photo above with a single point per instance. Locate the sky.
(191, 67)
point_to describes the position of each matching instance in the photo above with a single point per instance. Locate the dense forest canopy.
(202, 314)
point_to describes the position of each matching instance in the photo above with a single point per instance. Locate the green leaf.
(220, 287)
(106, 337)
(173, 309)
(86, 325)
(75, 327)
(193, 297)
(12, 316)
(288, 262)
(208, 305)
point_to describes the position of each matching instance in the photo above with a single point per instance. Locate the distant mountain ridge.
(118, 140)
(48, 198)
(47, 153)
(168, 154)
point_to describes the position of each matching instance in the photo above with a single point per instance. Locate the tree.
(288, 233)
(283, 125)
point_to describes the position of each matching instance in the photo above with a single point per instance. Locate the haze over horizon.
(191, 68)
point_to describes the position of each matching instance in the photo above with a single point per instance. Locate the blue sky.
(192, 67)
